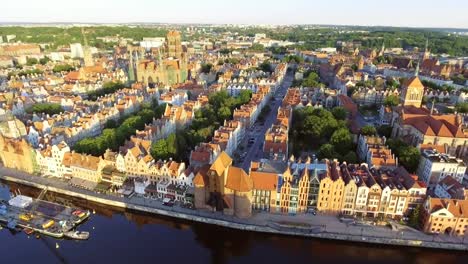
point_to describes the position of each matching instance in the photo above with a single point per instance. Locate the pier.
(40, 216)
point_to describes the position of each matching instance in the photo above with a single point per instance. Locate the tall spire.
(416, 72)
(427, 45)
(432, 106)
(382, 50)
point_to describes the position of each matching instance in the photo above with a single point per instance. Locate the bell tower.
(413, 91)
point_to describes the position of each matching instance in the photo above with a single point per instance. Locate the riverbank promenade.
(305, 225)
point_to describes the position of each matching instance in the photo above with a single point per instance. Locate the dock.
(42, 217)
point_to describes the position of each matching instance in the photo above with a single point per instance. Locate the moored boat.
(28, 231)
(81, 235)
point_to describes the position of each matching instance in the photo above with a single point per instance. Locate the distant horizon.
(8, 23)
(365, 13)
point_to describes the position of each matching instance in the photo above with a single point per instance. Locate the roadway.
(257, 131)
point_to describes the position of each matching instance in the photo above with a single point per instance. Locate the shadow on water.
(150, 238)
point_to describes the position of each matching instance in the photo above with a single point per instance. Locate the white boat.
(81, 235)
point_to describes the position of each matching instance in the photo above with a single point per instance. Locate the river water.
(122, 236)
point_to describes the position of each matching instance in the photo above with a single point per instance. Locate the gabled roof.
(201, 178)
(414, 82)
(221, 163)
(238, 180)
(458, 208)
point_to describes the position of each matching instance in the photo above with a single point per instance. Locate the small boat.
(28, 231)
(11, 224)
(57, 245)
(80, 235)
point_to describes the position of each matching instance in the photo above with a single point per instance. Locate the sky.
(406, 13)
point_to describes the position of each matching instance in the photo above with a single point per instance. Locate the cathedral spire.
(416, 72)
(382, 50)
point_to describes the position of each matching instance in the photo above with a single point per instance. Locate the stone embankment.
(247, 225)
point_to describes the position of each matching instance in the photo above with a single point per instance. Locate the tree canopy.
(318, 129)
(391, 100)
(266, 66)
(408, 156)
(368, 130)
(47, 108)
(115, 133)
(339, 113)
(206, 68)
(63, 68)
(107, 88)
(462, 108)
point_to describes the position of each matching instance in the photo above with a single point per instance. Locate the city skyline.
(335, 12)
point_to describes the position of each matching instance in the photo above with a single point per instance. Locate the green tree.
(391, 83)
(462, 108)
(206, 68)
(327, 151)
(111, 123)
(312, 80)
(159, 150)
(107, 88)
(171, 142)
(63, 68)
(244, 97)
(109, 140)
(146, 115)
(339, 113)
(368, 130)
(47, 108)
(224, 113)
(351, 157)
(265, 66)
(407, 155)
(391, 100)
(31, 61)
(314, 127)
(44, 60)
(257, 47)
(342, 141)
(385, 131)
(414, 217)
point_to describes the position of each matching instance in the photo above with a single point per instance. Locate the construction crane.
(39, 197)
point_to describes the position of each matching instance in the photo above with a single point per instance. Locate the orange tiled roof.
(459, 208)
(264, 180)
(238, 180)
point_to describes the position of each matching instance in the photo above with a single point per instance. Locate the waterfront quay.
(303, 225)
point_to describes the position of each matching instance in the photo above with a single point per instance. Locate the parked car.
(168, 202)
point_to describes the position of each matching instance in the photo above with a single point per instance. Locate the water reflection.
(125, 236)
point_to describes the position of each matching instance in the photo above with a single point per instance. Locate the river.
(120, 236)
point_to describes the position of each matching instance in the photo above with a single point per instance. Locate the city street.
(257, 131)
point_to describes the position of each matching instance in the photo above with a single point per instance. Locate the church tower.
(88, 55)
(382, 49)
(360, 63)
(174, 44)
(412, 91)
(426, 53)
